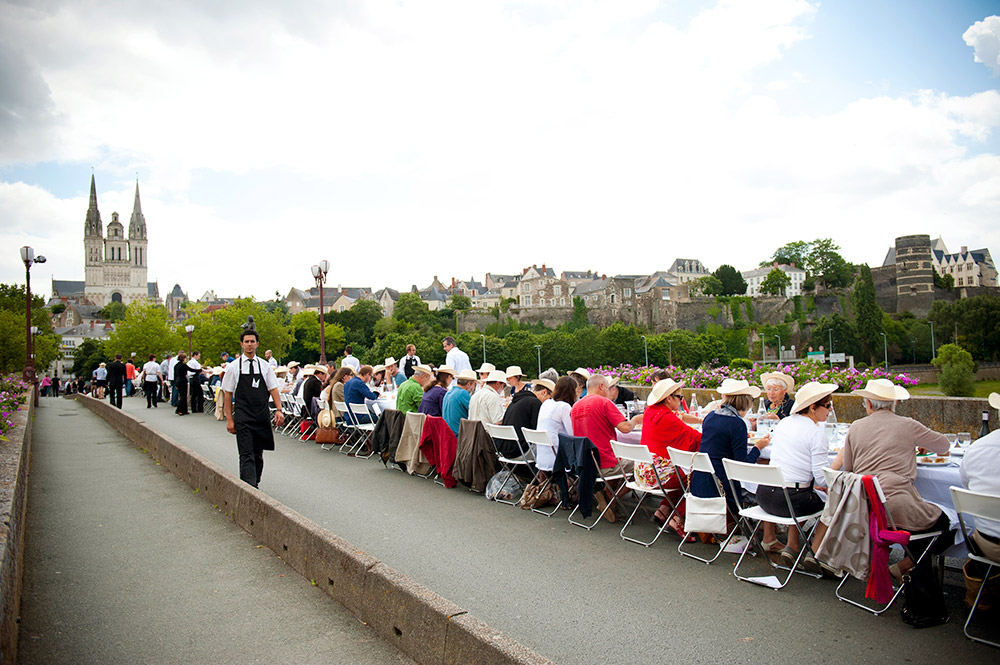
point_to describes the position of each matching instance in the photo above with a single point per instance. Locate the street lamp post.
(484, 347)
(538, 348)
(189, 328)
(29, 376)
(645, 347)
(777, 348)
(913, 345)
(933, 353)
(831, 347)
(670, 350)
(885, 350)
(319, 274)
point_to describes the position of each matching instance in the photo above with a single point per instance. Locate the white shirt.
(194, 364)
(170, 368)
(486, 406)
(230, 380)
(800, 448)
(352, 362)
(151, 369)
(554, 418)
(457, 359)
(272, 362)
(981, 473)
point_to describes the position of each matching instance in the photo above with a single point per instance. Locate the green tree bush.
(957, 371)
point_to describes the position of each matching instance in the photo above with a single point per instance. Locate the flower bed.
(13, 393)
(700, 377)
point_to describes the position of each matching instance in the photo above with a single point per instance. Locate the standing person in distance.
(130, 374)
(181, 381)
(408, 363)
(116, 380)
(246, 385)
(151, 378)
(349, 359)
(456, 359)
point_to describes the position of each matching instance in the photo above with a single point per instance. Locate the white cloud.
(984, 37)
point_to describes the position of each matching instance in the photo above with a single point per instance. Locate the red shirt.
(129, 370)
(596, 417)
(662, 428)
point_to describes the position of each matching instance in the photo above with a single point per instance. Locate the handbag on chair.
(327, 432)
(705, 515)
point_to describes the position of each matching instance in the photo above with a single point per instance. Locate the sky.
(405, 140)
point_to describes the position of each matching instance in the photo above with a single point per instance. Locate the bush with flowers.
(847, 379)
(13, 393)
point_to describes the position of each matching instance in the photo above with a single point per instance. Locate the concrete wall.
(15, 456)
(420, 623)
(988, 371)
(941, 414)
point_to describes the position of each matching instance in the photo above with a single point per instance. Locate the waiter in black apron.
(251, 380)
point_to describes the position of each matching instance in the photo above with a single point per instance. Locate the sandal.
(772, 546)
(678, 527)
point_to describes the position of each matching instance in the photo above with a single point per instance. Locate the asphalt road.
(124, 564)
(572, 595)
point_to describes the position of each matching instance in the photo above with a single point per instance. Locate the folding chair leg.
(875, 610)
(975, 605)
(596, 520)
(545, 486)
(665, 524)
(722, 547)
(510, 475)
(791, 571)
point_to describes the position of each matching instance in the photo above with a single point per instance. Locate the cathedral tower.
(93, 241)
(137, 243)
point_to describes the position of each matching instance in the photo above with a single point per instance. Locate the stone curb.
(420, 623)
(15, 460)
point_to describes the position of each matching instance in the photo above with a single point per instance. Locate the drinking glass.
(951, 439)
(964, 439)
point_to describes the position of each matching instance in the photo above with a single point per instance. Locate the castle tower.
(137, 244)
(93, 241)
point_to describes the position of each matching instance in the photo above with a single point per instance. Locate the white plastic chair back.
(762, 474)
(505, 432)
(976, 504)
(690, 461)
(631, 451)
(341, 409)
(537, 437)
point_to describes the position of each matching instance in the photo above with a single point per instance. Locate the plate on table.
(933, 460)
(957, 452)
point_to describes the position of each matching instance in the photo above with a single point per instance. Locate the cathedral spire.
(92, 225)
(137, 224)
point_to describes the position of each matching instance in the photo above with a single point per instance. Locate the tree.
(840, 331)
(58, 308)
(145, 329)
(13, 331)
(867, 313)
(359, 321)
(709, 285)
(113, 311)
(795, 252)
(945, 281)
(957, 371)
(732, 281)
(460, 303)
(411, 309)
(305, 329)
(219, 330)
(775, 283)
(88, 356)
(579, 319)
(828, 266)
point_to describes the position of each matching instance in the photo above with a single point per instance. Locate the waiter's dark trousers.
(152, 389)
(116, 395)
(251, 456)
(197, 396)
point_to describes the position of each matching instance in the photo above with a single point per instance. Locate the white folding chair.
(831, 476)
(509, 464)
(640, 453)
(769, 475)
(536, 437)
(348, 426)
(983, 506)
(605, 480)
(686, 462)
(360, 414)
(306, 415)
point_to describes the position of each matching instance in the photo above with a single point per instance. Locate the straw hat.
(467, 374)
(294, 363)
(308, 370)
(613, 382)
(280, 370)
(103, 365)
(780, 376)
(738, 387)
(325, 418)
(882, 390)
(513, 371)
(582, 372)
(218, 371)
(424, 369)
(486, 368)
(390, 361)
(662, 390)
(378, 368)
(496, 376)
(446, 369)
(811, 393)
(545, 383)
(321, 369)
(995, 400)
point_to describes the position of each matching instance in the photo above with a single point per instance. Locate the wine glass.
(964, 439)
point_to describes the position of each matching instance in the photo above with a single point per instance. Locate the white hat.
(486, 368)
(811, 393)
(218, 370)
(496, 376)
(467, 374)
(280, 370)
(390, 361)
(378, 368)
(780, 376)
(446, 369)
(662, 390)
(308, 370)
(883, 390)
(424, 369)
(545, 383)
(613, 382)
(513, 371)
(995, 400)
(321, 368)
(738, 387)
(325, 419)
(294, 363)
(582, 372)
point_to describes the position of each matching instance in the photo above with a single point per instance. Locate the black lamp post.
(189, 329)
(319, 274)
(29, 376)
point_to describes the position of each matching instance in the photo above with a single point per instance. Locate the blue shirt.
(398, 379)
(356, 392)
(456, 407)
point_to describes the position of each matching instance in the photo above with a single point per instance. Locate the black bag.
(923, 597)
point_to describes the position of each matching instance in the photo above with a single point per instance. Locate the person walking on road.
(246, 385)
(181, 381)
(116, 380)
(151, 378)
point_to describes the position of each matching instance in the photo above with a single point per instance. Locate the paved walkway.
(123, 564)
(573, 596)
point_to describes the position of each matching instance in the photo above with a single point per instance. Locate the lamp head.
(189, 328)
(324, 266)
(40, 259)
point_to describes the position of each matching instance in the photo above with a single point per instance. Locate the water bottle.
(761, 411)
(986, 425)
(694, 403)
(832, 416)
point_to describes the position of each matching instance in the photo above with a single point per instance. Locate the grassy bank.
(983, 388)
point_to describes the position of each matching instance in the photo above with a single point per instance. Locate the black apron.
(250, 411)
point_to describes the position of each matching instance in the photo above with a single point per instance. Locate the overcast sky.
(402, 140)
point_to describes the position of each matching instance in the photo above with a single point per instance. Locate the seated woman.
(433, 399)
(554, 418)
(778, 403)
(799, 446)
(335, 386)
(661, 427)
(724, 436)
(882, 445)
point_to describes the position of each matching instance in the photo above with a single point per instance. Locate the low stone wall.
(15, 456)
(987, 371)
(420, 623)
(941, 414)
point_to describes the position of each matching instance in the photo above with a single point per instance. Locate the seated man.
(456, 402)
(620, 394)
(521, 412)
(391, 374)
(981, 473)
(412, 391)
(597, 418)
(356, 391)
(312, 386)
(487, 405)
